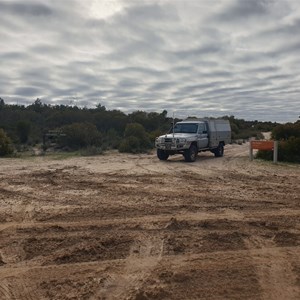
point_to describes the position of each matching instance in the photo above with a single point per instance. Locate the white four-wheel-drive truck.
(192, 136)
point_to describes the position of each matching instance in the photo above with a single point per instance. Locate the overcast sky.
(194, 58)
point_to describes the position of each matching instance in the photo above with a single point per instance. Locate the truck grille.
(168, 140)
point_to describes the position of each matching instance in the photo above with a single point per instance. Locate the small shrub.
(266, 155)
(130, 144)
(91, 151)
(290, 150)
(80, 135)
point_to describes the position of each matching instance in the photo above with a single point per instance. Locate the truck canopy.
(219, 131)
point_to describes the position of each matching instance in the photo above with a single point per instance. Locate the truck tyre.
(162, 155)
(219, 152)
(190, 154)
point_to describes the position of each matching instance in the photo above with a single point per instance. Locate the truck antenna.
(173, 123)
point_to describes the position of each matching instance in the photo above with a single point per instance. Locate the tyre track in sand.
(145, 253)
(274, 269)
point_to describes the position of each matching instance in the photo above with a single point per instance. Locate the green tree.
(136, 139)
(112, 139)
(285, 131)
(100, 107)
(2, 103)
(23, 129)
(37, 105)
(5, 144)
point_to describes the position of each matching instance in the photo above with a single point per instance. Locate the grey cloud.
(48, 49)
(288, 49)
(28, 91)
(196, 52)
(128, 83)
(151, 12)
(241, 10)
(191, 88)
(280, 77)
(98, 94)
(288, 30)
(138, 32)
(27, 8)
(161, 85)
(12, 56)
(254, 57)
(183, 69)
(266, 69)
(138, 71)
(215, 74)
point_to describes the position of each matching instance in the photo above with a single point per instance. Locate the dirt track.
(132, 227)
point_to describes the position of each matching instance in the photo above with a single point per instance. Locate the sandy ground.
(132, 227)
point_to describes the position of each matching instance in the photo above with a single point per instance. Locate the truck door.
(202, 136)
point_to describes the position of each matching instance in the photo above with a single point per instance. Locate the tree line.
(72, 128)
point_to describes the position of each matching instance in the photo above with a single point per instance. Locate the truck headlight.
(181, 141)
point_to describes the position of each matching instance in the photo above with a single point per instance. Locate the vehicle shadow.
(200, 158)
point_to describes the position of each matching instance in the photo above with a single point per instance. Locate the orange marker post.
(264, 145)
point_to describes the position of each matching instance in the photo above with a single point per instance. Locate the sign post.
(264, 145)
(275, 152)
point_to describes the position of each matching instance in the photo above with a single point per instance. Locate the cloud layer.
(200, 58)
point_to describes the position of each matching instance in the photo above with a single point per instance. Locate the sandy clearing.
(122, 226)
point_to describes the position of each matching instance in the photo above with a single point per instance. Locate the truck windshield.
(185, 128)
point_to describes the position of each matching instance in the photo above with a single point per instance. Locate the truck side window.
(201, 128)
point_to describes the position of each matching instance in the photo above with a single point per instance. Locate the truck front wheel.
(162, 155)
(190, 154)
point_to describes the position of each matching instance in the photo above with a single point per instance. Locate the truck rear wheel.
(219, 152)
(190, 155)
(162, 155)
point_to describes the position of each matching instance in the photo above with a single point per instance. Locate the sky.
(205, 58)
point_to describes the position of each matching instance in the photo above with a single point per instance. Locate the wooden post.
(275, 152)
(251, 152)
